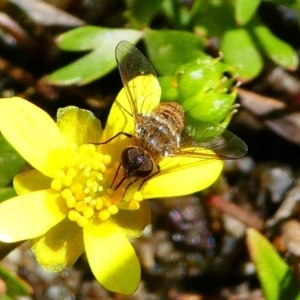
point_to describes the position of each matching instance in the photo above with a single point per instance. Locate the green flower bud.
(169, 88)
(204, 91)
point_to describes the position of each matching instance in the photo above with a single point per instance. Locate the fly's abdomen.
(159, 132)
(172, 114)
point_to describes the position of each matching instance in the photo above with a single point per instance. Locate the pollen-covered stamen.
(84, 184)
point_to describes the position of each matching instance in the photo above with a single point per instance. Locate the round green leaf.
(215, 18)
(278, 51)
(245, 10)
(141, 12)
(168, 49)
(240, 50)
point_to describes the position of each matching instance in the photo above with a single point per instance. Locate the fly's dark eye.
(136, 163)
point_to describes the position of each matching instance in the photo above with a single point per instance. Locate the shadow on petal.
(60, 247)
(133, 222)
(30, 181)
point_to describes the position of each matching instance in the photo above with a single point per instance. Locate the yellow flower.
(66, 204)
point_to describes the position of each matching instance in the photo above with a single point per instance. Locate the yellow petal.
(33, 133)
(145, 91)
(115, 124)
(60, 247)
(29, 216)
(133, 222)
(146, 94)
(30, 181)
(111, 257)
(182, 176)
(78, 126)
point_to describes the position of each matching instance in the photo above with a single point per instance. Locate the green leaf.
(295, 5)
(276, 49)
(10, 162)
(245, 10)
(240, 50)
(102, 42)
(6, 297)
(168, 49)
(179, 15)
(142, 12)
(169, 88)
(276, 277)
(15, 286)
(216, 18)
(6, 193)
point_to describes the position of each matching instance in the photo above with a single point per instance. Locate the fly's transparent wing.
(131, 62)
(143, 95)
(138, 77)
(207, 136)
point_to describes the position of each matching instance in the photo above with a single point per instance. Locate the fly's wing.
(139, 79)
(196, 140)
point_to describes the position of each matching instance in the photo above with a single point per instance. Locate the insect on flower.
(162, 132)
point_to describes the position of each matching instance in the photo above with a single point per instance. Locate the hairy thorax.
(159, 132)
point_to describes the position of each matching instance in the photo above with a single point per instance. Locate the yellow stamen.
(73, 215)
(85, 183)
(104, 215)
(138, 196)
(99, 204)
(71, 202)
(56, 184)
(133, 205)
(67, 180)
(82, 221)
(113, 209)
(88, 212)
(80, 206)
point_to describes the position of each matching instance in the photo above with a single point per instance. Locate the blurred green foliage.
(100, 59)
(244, 41)
(275, 275)
(14, 286)
(10, 164)
(189, 76)
(202, 89)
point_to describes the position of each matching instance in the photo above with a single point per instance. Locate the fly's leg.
(118, 169)
(115, 136)
(133, 181)
(155, 173)
(117, 172)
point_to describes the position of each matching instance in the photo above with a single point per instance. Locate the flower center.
(85, 185)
